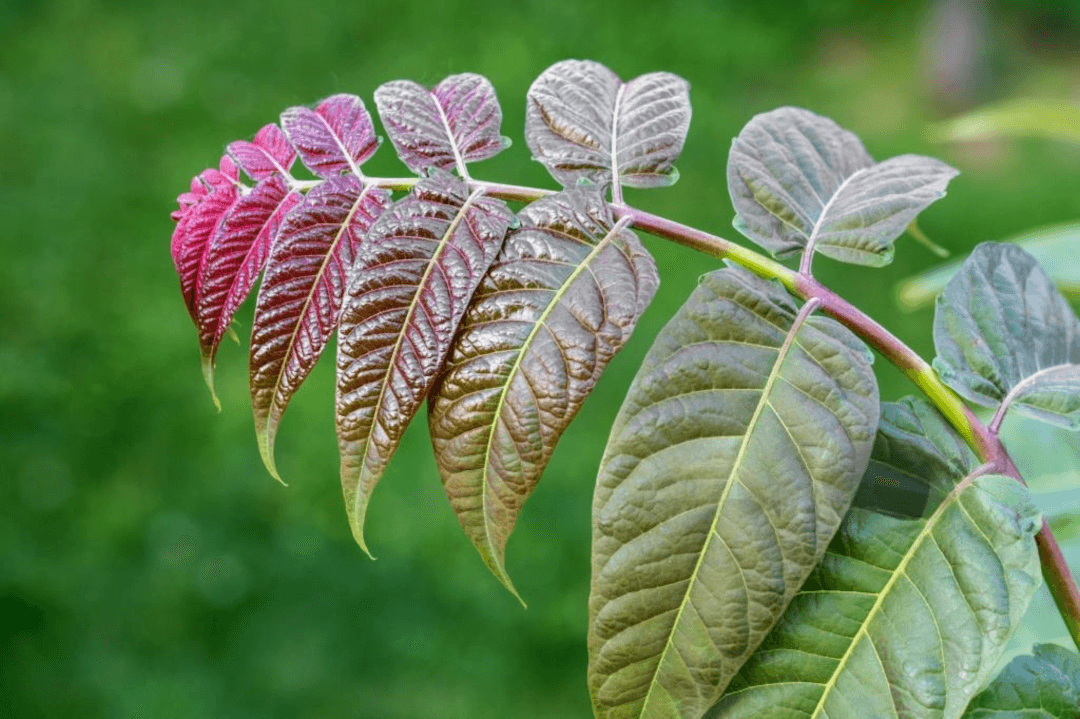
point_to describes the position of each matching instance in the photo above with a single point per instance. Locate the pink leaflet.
(337, 135)
(299, 303)
(235, 257)
(192, 238)
(269, 153)
(458, 119)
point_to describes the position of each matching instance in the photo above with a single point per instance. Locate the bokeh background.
(149, 567)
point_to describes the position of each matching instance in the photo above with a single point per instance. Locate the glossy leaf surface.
(454, 123)
(299, 302)
(335, 137)
(1043, 685)
(236, 256)
(799, 180)
(213, 193)
(411, 284)
(561, 299)
(1000, 325)
(905, 616)
(269, 153)
(584, 123)
(738, 449)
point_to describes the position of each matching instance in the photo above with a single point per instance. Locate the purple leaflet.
(336, 136)
(299, 302)
(234, 260)
(456, 122)
(201, 211)
(269, 153)
(560, 300)
(411, 283)
(583, 122)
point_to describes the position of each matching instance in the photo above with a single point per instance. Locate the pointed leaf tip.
(299, 302)
(582, 121)
(410, 286)
(561, 299)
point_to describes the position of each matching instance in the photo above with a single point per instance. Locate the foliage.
(723, 541)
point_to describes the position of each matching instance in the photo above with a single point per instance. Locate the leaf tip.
(265, 435)
(208, 377)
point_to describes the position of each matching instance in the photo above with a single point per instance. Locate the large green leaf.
(1043, 686)
(800, 182)
(560, 300)
(904, 617)
(1054, 247)
(736, 453)
(1006, 337)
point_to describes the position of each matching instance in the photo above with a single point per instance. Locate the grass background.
(149, 566)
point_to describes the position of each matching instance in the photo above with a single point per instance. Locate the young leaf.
(409, 289)
(336, 136)
(802, 183)
(299, 303)
(583, 123)
(268, 154)
(1005, 336)
(1043, 686)
(213, 194)
(738, 449)
(234, 260)
(561, 299)
(904, 617)
(456, 122)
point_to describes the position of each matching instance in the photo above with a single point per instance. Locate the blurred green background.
(150, 567)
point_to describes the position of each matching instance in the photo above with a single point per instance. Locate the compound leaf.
(800, 182)
(455, 122)
(409, 290)
(583, 123)
(299, 303)
(213, 193)
(1043, 686)
(737, 451)
(905, 616)
(561, 299)
(269, 153)
(1005, 336)
(234, 260)
(336, 136)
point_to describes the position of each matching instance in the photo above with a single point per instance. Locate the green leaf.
(904, 617)
(1054, 247)
(800, 183)
(1025, 117)
(561, 299)
(738, 449)
(1043, 686)
(1005, 336)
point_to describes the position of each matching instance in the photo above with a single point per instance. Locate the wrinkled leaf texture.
(561, 299)
(799, 180)
(336, 136)
(454, 123)
(584, 123)
(299, 302)
(1004, 334)
(905, 616)
(1044, 685)
(737, 451)
(411, 284)
(269, 153)
(235, 258)
(213, 193)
